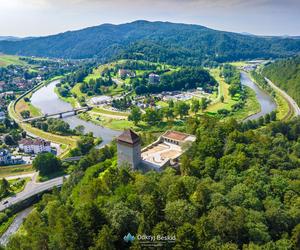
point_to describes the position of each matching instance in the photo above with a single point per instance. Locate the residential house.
(34, 146)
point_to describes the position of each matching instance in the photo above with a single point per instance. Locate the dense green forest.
(177, 44)
(234, 190)
(286, 74)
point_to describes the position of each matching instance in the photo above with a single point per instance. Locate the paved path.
(14, 226)
(32, 188)
(290, 100)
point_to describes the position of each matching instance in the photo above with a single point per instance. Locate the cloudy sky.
(43, 17)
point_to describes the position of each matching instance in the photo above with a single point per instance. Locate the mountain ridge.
(175, 43)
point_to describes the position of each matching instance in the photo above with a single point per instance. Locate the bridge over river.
(74, 111)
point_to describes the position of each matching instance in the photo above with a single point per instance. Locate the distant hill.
(9, 38)
(286, 74)
(154, 41)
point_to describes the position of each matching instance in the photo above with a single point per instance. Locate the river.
(48, 102)
(266, 102)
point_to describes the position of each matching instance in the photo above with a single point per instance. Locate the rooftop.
(128, 136)
(27, 141)
(174, 135)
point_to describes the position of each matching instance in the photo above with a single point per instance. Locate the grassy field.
(76, 90)
(239, 63)
(22, 105)
(6, 60)
(251, 107)
(109, 112)
(15, 170)
(223, 91)
(117, 124)
(284, 110)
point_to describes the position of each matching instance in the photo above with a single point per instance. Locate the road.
(289, 99)
(32, 188)
(14, 226)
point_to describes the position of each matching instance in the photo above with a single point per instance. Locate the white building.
(153, 78)
(98, 100)
(129, 149)
(34, 146)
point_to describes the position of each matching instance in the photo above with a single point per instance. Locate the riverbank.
(266, 102)
(251, 107)
(49, 102)
(66, 142)
(284, 108)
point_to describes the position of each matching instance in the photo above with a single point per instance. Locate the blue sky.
(43, 17)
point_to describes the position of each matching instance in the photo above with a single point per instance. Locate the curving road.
(289, 99)
(32, 188)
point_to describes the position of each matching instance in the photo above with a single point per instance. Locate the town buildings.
(7, 159)
(34, 146)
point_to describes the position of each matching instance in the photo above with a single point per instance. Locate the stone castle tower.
(129, 149)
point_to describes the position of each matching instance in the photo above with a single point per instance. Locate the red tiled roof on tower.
(128, 136)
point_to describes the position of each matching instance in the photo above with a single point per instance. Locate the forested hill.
(286, 74)
(154, 41)
(236, 190)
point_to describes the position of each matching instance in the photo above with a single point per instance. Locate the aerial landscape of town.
(150, 134)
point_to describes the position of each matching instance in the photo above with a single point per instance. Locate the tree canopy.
(234, 190)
